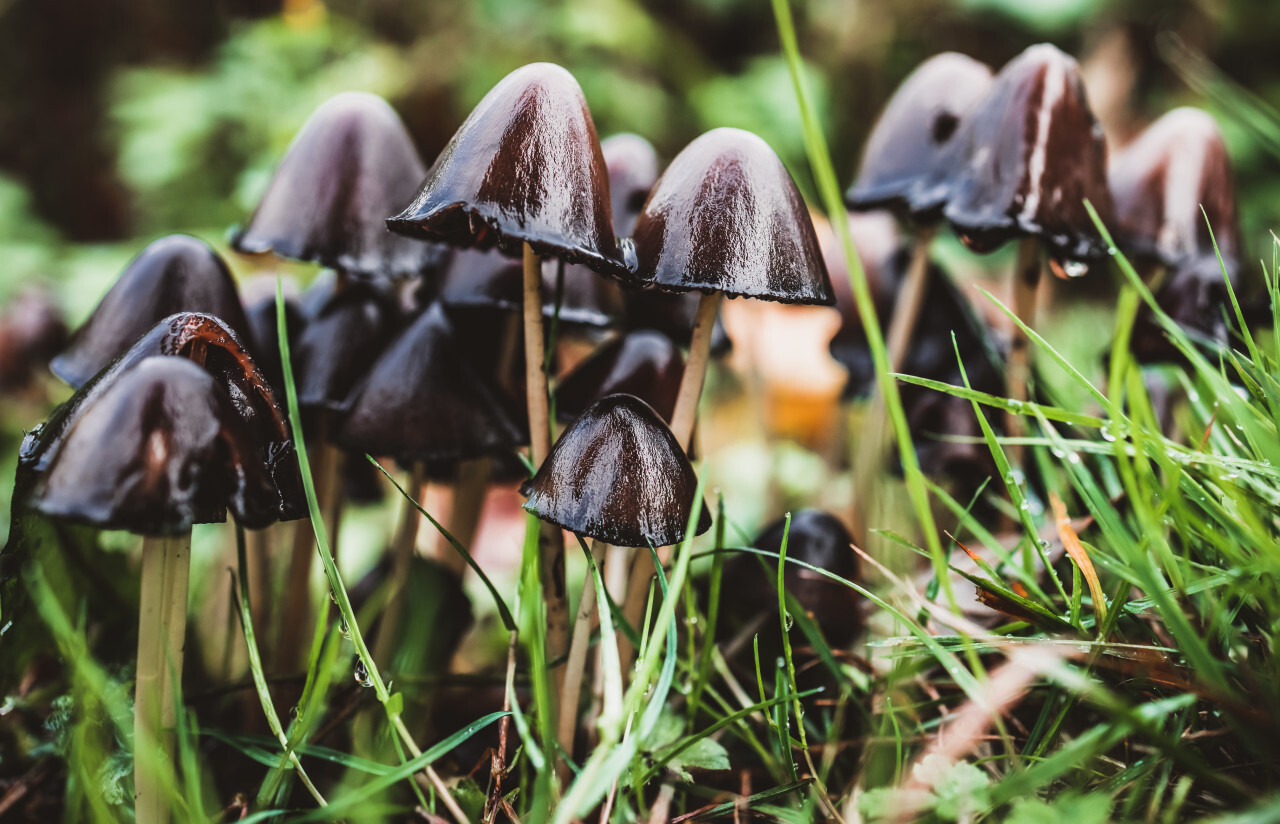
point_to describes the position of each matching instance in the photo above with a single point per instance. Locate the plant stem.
(1026, 282)
(162, 625)
(576, 664)
(464, 511)
(695, 369)
(402, 551)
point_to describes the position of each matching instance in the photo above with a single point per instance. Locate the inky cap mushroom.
(916, 125)
(1025, 159)
(726, 217)
(350, 166)
(160, 449)
(32, 332)
(618, 475)
(525, 167)
(485, 278)
(178, 273)
(633, 169)
(644, 363)
(423, 401)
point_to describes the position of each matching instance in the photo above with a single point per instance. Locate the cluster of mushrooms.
(430, 337)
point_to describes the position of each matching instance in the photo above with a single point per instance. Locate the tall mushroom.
(1160, 182)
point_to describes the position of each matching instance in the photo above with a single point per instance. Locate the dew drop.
(344, 630)
(361, 674)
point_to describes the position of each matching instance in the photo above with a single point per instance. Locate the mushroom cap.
(351, 164)
(158, 450)
(480, 278)
(525, 167)
(1025, 159)
(916, 125)
(618, 475)
(1161, 181)
(32, 331)
(177, 273)
(423, 401)
(875, 235)
(726, 217)
(672, 314)
(633, 169)
(258, 294)
(189, 335)
(644, 363)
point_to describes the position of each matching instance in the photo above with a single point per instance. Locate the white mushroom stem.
(577, 662)
(695, 370)
(1026, 282)
(402, 551)
(162, 627)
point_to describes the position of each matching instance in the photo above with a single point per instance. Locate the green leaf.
(396, 703)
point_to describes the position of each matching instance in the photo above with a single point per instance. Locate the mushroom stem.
(1026, 281)
(162, 626)
(638, 583)
(695, 369)
(871, 447)
(576, 665)
(402, 550)
(464, 512)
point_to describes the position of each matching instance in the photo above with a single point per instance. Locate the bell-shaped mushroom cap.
(672, 314)
(1161, 181)
(350, 166)
(633, 169)
(726, 217)
(644, 363)
(818, 539)
(259, 296)
(422, 401)
(525, 167)
(1025, 159)
(161, 449)
(618, 475)
(178, 273)
(916, 125)
(347, 325)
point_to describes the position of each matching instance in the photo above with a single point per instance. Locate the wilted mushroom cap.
(161, 449)
(617, 474)
(350, 166)
(525, 167)
(423, 401)
(178, 273)
(726, 217)
(916, 125)
(1025, 159)
(644, 363)
(633, 169)
(1161, 181)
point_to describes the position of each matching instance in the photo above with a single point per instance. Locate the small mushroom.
(643, 363)
(633, 169)
(178, 273)
(1160, 183)
(32, 331)
(351, 164)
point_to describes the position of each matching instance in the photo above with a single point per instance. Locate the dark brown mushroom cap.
(423, 401)
(633, 169)
(726, 217)
(1025, 159)
(32, 331)
(1161, 180)
(618, 475)
(819, 539)
(487, 279)
(347, 326)
(259, 296)
(350, 166)
(916, 125)
(525, 167)
(672, 314)
(178, 273)
(644, 363)
(160, 449)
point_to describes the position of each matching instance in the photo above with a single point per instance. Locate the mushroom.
(177, 273)
(32, 331)
(726, 218)
(1022, 164)
(525, 173)
(644, 363)
(617, 475)
(154, 447)
(1160, 182)
(423, 402)
(350, 165)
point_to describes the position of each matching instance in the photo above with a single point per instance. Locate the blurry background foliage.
(121, 121)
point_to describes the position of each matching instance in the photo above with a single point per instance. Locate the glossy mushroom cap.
(350, 166)
(1025, 159)
(32, 331)
(488, 279)
(618, 475)
(633, 169)
(178, 273)
(672, 314)
(259, 296)
(913, 130)
(726, 217)
(818, 539)
(422, 401)
(525, 167)
(161, 449)
(644, 363)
